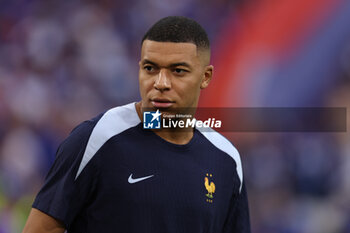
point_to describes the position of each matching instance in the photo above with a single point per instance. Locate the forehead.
(169, 52)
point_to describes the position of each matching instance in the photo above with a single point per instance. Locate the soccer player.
(112, 175)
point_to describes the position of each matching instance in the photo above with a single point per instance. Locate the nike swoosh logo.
(132, 181)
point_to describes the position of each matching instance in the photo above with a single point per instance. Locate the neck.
(180, 137)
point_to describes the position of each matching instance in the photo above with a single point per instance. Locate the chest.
(164, 182)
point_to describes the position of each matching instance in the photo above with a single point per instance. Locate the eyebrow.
(146, 61)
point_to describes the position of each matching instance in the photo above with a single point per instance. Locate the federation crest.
(210, 187)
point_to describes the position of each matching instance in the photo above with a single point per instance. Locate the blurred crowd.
(65, 62)
(62, 63)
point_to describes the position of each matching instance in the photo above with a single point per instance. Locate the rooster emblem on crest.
(210, 187)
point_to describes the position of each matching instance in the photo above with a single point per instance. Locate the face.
(171, 75)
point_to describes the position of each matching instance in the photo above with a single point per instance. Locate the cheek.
(145, 84)
(187, 90)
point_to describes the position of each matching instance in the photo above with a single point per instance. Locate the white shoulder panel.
(113, 122)
(224, 145)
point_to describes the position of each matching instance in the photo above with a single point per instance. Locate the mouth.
(162, 103)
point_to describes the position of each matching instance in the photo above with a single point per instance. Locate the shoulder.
(76, 140)
(115, 121)
(223, 144)
(89, 136)
(82, 130)
(112, 123)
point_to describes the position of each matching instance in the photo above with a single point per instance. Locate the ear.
(208, 74)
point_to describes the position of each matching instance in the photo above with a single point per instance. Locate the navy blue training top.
(111, 175)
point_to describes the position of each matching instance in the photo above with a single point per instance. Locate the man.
(112, 175)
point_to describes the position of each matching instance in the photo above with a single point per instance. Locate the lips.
(161, 103)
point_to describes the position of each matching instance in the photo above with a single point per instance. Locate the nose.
(162, 82)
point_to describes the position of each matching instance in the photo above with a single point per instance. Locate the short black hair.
(178, 29)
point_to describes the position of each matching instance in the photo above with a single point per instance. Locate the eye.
(149, 68)
(179, 71)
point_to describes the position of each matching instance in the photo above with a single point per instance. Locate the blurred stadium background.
(62, 62)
